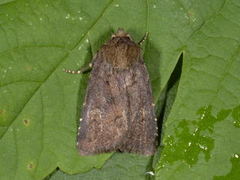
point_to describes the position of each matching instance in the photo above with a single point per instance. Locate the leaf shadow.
(167, 102)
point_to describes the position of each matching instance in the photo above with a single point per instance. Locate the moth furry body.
(118, 114)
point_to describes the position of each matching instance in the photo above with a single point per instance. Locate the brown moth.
(118, 113)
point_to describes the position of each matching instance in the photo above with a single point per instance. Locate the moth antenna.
(80, 71)
(72, 71)
(143, 38)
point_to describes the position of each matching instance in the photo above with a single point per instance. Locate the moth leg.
(143, 39)
(80, 71)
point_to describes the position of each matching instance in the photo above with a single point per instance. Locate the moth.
(118, 112)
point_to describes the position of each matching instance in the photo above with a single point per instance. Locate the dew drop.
(150, 173)
(67, 16)
(201, 146)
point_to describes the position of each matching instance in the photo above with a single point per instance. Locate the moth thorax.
(121, 55)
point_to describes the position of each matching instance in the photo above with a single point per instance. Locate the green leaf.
(201, 133)
(40, 105)
(115, 168)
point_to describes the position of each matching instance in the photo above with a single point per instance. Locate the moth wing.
(104, 118)
(118, 114)
(142, 130)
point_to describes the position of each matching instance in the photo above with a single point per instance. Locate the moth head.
(121, 33)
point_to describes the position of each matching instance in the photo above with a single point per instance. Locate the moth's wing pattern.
(142, 132)
(118, 112)
(103, 123)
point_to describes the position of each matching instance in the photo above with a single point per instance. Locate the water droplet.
(150, 173)
(236, 155)
(80, 18)
(40, 18)
(154, 6)
(203, 115)
(87, 41)
(236, 116)
(201, 146)
(116, 5)
(67, 16)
